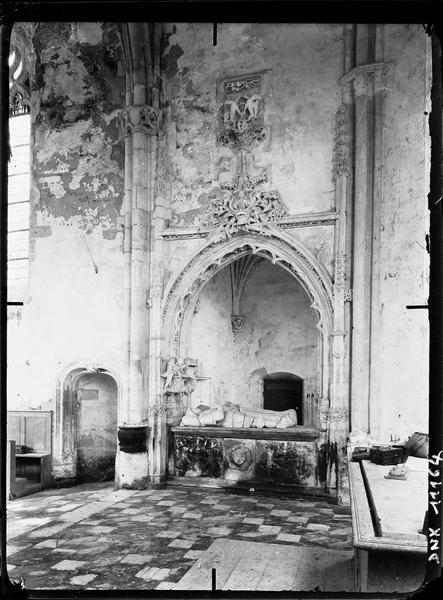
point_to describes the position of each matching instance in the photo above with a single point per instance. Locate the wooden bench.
(33, 429)
(387, 514)
(35, 466)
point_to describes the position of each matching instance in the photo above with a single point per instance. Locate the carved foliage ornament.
(341, 144)
(242, 207)
(141, 117)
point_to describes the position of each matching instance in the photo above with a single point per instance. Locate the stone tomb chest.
(238, 456)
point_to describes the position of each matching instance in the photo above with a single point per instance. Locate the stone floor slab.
(253, 520)
(181, 544)
(317, 527)
(280, 513)
(136, 559)
(169, 534)
(68, 565)
(83, 579)
(269, 529)
(288, 537)
(162, 555)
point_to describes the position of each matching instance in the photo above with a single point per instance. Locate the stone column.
(157, 408)
(362, 238)
(140, 124)
(366, 83)
(338, 414)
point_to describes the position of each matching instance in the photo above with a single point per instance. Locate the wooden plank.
(401, 505)
(15, 428)
(258, 566)
(222, 555)
(362, 528)
(32, 428)
(311, 572)
(279, 573)
(249, 569)
(386, 544)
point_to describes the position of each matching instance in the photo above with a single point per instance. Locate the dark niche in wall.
(282, 391)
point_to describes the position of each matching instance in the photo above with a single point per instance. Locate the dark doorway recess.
(282, 391)
(96, 427)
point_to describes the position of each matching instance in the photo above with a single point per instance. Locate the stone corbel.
(139, 118)
(236, 322)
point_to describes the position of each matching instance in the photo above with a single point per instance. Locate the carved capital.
(139, 118)
(360, 84)
(348, 295)
(338, 333)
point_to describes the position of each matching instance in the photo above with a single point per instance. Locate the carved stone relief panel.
(241, 113)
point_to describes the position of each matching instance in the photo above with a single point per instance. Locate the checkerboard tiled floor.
(91, 537)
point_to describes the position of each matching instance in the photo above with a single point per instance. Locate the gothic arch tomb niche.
(182, 292)
(86, 426)
(224, 284)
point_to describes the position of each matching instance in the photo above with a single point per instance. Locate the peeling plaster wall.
(279, 333)
(400, 405)
(16, 332)
(306, 63)
(76, 260)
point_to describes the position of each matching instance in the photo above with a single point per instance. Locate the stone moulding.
(288, 222)
(337, 414)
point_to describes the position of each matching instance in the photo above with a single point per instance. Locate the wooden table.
(387, 514)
